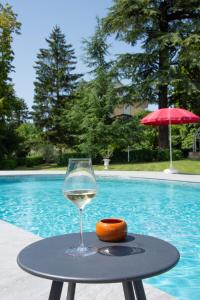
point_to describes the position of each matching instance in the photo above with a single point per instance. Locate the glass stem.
(81, 228)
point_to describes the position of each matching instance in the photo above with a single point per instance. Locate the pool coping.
(194, 178)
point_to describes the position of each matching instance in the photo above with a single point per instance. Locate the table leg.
(139, 290)
(128, 290)
(71, 290)
(56, 290)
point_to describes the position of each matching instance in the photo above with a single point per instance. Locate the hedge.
(144, 155)
(34, 161)
(12, 163)
(62, 160)
(8, 164)
(135, 156)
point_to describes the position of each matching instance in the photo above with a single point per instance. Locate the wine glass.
(80, 188)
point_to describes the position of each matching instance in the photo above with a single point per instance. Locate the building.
(128, 110)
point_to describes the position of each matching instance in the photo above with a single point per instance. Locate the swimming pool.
(169, 210)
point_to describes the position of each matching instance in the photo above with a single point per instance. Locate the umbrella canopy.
(168, 116)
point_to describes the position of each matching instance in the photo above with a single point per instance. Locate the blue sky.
(77, 19)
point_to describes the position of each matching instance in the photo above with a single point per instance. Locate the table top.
(138, 257)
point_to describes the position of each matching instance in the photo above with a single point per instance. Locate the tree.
(163, 27)
(91, 114)
(8, 26)
(13, 110)
(55, 84)
(30, 139)
(187, 87)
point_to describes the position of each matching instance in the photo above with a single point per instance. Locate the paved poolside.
(17, 284)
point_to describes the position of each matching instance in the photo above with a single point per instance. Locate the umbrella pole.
(170, 170)
(170, 145)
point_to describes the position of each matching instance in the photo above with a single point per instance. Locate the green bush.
(21, 161)
(62, 160)
(164, 154)
(120, 157)
(145, 155)
(177, 154)
(34, 161)
(8, 164)
(12, 163)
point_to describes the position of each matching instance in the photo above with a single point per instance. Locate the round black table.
(129, 262)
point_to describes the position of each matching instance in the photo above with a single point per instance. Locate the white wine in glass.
(80, 188)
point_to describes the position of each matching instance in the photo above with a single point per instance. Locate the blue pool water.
(169, 210)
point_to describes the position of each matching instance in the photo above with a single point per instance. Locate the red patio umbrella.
(168, 116)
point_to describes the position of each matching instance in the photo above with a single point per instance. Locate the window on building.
(127, 109)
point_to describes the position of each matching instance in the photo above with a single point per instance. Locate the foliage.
(91, 117)
(12, 163)
(62, 160)
(183, 136)
(108, 152)
(8, 164)
(8, 26)
(140, 136)
(48, 152)
(91, 114)
(187, 87)
(162, 70)
(9, 141)
(33, 161)
(54, 88)
(30, 139)
(13, 110)
(145, 155)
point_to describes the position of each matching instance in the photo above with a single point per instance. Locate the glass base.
(81, 251)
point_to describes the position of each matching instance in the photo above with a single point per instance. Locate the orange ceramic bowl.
(111, 230)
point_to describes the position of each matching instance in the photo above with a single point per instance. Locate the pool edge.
(120, 174)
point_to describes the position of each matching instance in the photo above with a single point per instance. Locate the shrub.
(34, 161)
(145, 155)
(177, 154)
(62, 160)
(8, 164)
(164, 154)
(21, 161)
(48, 153)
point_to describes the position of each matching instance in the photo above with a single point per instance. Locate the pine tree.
(164, 28)
(55, 84)
(92, 111)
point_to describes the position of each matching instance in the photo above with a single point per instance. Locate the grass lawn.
(183, 166)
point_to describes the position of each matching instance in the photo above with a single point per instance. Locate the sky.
(77, 20)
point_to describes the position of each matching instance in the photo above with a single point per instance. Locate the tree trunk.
(163, 140)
